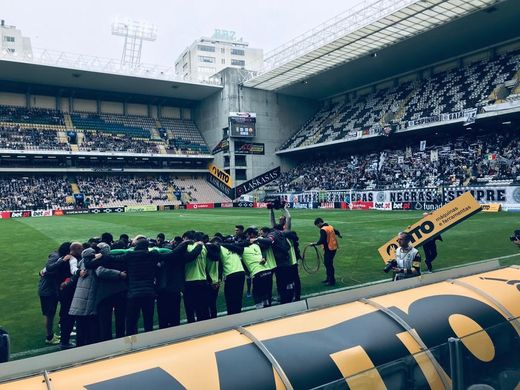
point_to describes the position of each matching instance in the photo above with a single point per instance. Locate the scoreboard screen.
(242, 124)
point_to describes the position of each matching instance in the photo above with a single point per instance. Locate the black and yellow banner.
(491, 207)
(221, 175)
(438, 221)
(356, 345)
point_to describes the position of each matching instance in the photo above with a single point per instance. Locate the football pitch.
(26, 242)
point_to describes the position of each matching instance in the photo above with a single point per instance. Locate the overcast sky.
(84, 26)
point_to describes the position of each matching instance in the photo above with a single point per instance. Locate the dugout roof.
(394, 37)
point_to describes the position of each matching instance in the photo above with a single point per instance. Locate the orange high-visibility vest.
(332, 242)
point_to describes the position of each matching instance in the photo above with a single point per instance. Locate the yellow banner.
(491, 207)
(438, 221)
(220, 175)
(137, 209)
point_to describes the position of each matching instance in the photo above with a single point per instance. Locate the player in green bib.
(255, 264)
(232, 272)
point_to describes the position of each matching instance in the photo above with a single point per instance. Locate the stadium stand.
(31, 115)
(23, 138)
(117, 191)
(34, 192)
(184, 136)
(454, 90)
(100, 141)
(198, 190)
(131, 126)
(488, 159)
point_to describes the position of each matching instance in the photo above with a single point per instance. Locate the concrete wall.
(278, 117)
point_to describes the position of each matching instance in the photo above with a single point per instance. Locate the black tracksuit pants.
(328, 262)
(196, 300)
(262, 288)
(285, 284)
(234, 291)
(134, 307)
(297, 282)
(169, 308)
(115, 304)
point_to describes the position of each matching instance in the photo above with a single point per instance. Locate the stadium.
(368, 137)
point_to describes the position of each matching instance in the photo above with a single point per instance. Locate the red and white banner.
(360, 205)
(260, 205)
(196, 206)
(227, 205)
(5, 214)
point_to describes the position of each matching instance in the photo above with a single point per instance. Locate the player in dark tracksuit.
(430, 251)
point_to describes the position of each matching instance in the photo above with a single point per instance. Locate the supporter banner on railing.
(440, 220)
(466, 116)
(221, 175)
(198, 206)
(257, 182)
(229, 192)
(139, 209)
(507, 196)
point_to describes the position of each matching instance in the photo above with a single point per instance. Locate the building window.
(8, 38)
(10, 50)
(238, 62)
(238, 52)
(222, 61)
(208, 60)
(222, 50)
(210, 49)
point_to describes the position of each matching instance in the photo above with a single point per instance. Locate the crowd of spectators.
(21, 138)
(103, 142)
(34, 193)
(103, 191)
(464, 160)
(31, 115)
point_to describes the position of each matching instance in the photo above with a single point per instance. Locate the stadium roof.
(82, 81)
(361, 32)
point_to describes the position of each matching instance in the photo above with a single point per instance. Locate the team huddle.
(125, 279)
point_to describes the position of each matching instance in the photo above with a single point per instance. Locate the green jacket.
(231, 262)
(197, 269)
(252, 257)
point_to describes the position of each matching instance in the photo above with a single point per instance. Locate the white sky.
(84, 26)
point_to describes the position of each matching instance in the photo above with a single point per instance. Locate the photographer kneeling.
(407, 263)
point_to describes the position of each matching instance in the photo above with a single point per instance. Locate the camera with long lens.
(389, 266)
(275, 203)
(515, 236)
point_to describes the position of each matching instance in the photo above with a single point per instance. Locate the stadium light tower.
(134, 32)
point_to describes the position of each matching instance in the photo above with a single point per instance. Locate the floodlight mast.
(134, 32)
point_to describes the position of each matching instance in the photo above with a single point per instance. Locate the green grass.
(25, 244)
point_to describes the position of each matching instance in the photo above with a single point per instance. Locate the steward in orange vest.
(328, 238)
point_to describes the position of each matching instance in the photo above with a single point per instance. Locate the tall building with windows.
(207, 56)
(13, 43)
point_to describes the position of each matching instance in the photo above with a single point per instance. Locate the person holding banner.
(430, 249)
(407, 259)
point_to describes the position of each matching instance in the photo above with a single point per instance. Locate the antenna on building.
(134, 32)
